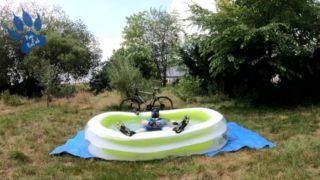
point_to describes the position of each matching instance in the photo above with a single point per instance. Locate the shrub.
(124, 77)
(12, 100)
(189, 88)
(100, 80)
(65, 91)
(82, 87)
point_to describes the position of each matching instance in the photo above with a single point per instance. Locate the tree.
(11, 57)
(70, 47)
(253, 41)
(100, 80)
(135, 47)
(48, 79)
(125, 77)
(197, 63)
(156, 33)
(72, 58)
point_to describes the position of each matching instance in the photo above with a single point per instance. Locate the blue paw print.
(29, 38)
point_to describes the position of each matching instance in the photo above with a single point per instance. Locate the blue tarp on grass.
(238, 138)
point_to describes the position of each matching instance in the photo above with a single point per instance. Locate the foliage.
(152, 37)
(70, 47)
(124, 77)
(47, 75)
(137, 60)
(197, 63)
(251, 42)
(12, 100)
(65, 90)
(189, 87)
(66, 53)
(135, 47)
(100, 80)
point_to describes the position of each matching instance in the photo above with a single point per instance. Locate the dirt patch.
(314, 171)
(106, 99)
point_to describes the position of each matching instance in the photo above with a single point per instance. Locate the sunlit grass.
(30, 131)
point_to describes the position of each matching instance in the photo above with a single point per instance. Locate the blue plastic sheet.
(76, 146)
(238, 138)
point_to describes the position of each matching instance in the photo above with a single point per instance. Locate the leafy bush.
(100, 80)
(82, 87)
(189, 88)
(65, 91)
(12, 100)
(125, 77)
(246, 51)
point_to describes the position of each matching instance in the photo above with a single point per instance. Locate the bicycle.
(134, 102)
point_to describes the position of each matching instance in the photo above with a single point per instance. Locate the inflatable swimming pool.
(206, 132)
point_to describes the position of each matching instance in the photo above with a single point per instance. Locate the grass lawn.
(30, 131)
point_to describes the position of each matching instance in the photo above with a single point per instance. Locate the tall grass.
(30, 131)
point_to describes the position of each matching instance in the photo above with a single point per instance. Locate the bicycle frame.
(142, 100)
(149, 103)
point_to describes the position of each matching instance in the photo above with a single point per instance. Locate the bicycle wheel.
(162, 102)
(130, 104)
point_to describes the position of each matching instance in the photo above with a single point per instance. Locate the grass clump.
(19, 156)
(11, 100)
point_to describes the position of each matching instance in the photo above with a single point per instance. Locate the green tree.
(47, 75)
(70, 47)
(155, 35)
(125, 77)
(100, 80)
(134, 46)
(253, 41)
(197, 63)
(11, 57)
(72, 58)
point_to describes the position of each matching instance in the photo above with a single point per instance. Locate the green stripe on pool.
(160, 154)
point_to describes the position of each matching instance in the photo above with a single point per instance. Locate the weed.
(12, 100)
(19, 156)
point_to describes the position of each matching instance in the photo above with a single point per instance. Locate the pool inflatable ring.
(206, 132)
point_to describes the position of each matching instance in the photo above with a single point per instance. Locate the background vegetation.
(71, 50)
(249, 53)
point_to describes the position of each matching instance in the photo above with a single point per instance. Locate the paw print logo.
(27, 32)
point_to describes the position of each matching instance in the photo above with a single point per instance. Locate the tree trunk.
(164, 76)
(164, 82)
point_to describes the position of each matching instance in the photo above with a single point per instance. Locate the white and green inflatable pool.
(206, 132)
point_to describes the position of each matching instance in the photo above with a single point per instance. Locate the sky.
(107, 18)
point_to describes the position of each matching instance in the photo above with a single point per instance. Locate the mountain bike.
(134, 102)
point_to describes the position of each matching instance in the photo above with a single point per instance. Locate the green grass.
(30, 131)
